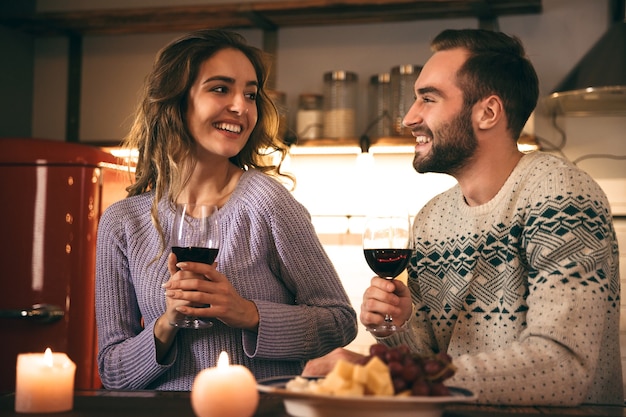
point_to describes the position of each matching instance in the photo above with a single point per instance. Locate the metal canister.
(340, 92)
(402, 81)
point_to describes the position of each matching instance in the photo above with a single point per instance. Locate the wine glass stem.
(388, 318)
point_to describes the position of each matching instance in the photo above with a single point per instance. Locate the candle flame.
(222, 361)
(47, 358)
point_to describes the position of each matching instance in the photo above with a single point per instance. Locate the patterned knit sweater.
(523, 291)
(272, 256)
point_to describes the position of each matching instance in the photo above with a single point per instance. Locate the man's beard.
(453, 145)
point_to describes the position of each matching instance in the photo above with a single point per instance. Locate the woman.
(275, 298)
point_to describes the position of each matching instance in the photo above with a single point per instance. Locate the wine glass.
(195, 238)
(387, 247)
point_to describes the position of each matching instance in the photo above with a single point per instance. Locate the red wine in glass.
(387, 263)
(195, 237)
(195, 254)
(387, 247)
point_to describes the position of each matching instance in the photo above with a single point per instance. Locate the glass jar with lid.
(379, 106)
(280, 101)
(340, 92)
(310, 116)
(402, 82)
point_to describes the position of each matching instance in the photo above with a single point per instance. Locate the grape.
(422, 375)
(432, 367)
(439, 390)
(411, 372)
(378, 350)
(399, 384)
(403, 350)
(420, 389)
(392, 355)
(395, 368)
(443, 357)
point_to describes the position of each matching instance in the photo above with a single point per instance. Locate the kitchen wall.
(342, 190)
(338, 189)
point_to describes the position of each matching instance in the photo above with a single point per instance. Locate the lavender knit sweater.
(271, 255)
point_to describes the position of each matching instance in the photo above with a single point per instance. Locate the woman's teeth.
(228, 127)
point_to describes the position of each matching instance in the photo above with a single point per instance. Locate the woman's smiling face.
(221, 104)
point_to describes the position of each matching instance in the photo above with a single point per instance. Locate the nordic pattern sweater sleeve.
(272, 256)
(523, 292)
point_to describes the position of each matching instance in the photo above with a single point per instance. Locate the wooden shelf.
(383, 141)
(269, 15)
(325, 146)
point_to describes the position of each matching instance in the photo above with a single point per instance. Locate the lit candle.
(224, 391)
(44, 382)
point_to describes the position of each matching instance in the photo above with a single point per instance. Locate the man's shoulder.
(541, 170)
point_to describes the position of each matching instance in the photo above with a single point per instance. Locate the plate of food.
(390, 383)
(309, 404)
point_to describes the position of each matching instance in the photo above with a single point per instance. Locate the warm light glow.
(44, 382)
(224, 391)
(222, 361)
(124, 153)
(47, 358)
(39, 225)
(351, 150)
(527, 143)
(325, 150)
(397, 149)
(365, 162)
(129, 158)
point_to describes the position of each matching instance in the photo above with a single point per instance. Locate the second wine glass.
(387, 247)
(195, 238)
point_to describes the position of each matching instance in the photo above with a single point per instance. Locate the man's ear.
(489, 112)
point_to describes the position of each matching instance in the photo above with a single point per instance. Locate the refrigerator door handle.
(43, 313)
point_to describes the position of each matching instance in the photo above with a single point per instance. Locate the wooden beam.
(261, 15)
(75, 59)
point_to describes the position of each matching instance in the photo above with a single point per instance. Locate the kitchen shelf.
(382, 141)
(396, 144)
(268, 16)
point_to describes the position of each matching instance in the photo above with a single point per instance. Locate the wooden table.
(101, 403)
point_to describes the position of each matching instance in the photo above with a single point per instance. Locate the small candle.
(44, 382)
(224, 391)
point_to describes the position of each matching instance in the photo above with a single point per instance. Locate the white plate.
(300, 404)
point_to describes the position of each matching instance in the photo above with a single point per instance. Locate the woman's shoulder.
(263, 187)
(256, 176)
(130, 205)
(264, 194)
(127, 211)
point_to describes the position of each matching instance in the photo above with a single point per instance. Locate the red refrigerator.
(52, 196)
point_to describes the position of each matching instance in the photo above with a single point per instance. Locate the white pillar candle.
(44, 382)
(224, 391)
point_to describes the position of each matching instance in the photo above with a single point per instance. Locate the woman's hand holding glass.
(185, 292)
(195, 238)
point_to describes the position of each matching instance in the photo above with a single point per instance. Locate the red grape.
(420, 389)
(439, 390)
(399, 384)
(395, 368)
(411, 372)
(378, 350)
(421, 375)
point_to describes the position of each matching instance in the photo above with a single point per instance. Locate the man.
(515, 271)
